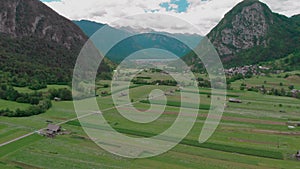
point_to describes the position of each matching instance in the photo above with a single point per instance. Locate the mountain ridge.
(137, 41)
(251, 33)
(37, 44)
(25, 18)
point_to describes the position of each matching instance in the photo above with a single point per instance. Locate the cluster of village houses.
(254, 69)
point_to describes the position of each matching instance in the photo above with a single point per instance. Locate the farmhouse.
(52, 130)
(233, 100)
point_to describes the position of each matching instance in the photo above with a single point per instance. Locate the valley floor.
(254, 132)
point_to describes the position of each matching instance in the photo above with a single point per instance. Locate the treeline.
(239, 76)
(64, 94)
(289, 63)
(30, 59)
(38, 86)
(10, 94)
(159, 82)
(40, 102)
(34, 82)
(25, 61)
(40, 108)
(203, 83)
(272, 91)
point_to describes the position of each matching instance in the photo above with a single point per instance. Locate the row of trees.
(272, 91)
(160, 82)
(40, 102)
(41, 107)
(204, 83)
(9, 93)
(64, 94)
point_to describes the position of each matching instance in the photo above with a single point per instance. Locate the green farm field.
(27, 90)
(252, 134)
(283, 80)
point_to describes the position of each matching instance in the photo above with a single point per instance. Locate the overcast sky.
(204, 14)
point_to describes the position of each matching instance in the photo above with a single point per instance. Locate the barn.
(52, 130)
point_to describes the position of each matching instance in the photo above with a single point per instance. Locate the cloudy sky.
(203, 14)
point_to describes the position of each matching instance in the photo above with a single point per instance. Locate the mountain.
(296, 19)
(178, 44)
(251, 33)
(89, 27)
(36, 43)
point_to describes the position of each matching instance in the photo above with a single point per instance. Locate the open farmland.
(252, 134)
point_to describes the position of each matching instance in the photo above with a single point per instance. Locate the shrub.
(37, 86)
(42, 107)
(65, 94)
(291, 87)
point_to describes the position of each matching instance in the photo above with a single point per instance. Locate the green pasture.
(27, 90)
(5, 104)
(252, 134)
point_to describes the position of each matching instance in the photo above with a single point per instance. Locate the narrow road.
(16, 139)
(63, 122)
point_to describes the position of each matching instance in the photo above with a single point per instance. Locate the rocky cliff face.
(251, 33)
(248, 30)
(245, 27)
(23, 18)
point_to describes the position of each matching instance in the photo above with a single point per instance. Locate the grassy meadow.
(252, 134)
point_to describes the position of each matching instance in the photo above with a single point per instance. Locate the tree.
(298, 95)
(65, 94)
(37, 86)
(291, 87)
(11, 94)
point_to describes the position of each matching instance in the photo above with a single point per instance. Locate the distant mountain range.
(36, 43)
(179, 44)
(250, 33)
